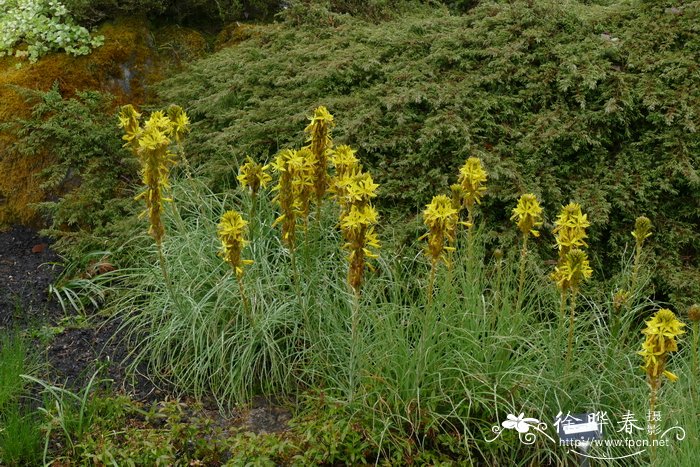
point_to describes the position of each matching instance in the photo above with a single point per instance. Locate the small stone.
(39, 248)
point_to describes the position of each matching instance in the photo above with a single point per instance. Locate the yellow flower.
(283, 165)
(231, 232)
(129, 120)
(573, 270)
(441, 218)
(319, 137)
(528, 214)
(179, 123)
(472, 178)
(343, 159)
(253, 175)
(570, 228)
(156, 161)
(346, 166)
(361, 189)
(303, 167)
(661, 333)
(357, 220)
(664, 324)
(357, 226)
(671, 376)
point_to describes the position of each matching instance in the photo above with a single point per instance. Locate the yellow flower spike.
(343, 160)
(570, 228)
(303, 168)
(231, 231)
(179, 123)
(441, 218)
(285, 195)
(573, 270)
(156, 161)
(253, 175)
(357, 226)
(528, 214)
(361, 189)
(660, 340)
(664, 323)
(129, 121)
(457, 196)
(472, 178)
(319, 137)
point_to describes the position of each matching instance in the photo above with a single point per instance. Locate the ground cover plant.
(419, 353)
(550, 95)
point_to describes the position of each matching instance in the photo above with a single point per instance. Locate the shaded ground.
(25, 274)
(76, 348)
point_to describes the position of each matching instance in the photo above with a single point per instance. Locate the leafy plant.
(90, 182)
(33, 28)
(551, 97)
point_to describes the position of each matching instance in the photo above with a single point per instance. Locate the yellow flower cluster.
(179, 123)
(357, 222)
(441, 218)
(528, 214)
(320, 144)
(296, 171)
(129, 120)
(152, 145)
(231, 231)
(303, 167)
(285, 195)
(346, 166)
(573, 270)
(570, 228)
(253, 175)
(573, 267)
(661, 333)
(472, 180)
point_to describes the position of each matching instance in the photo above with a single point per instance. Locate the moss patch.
(132, 57)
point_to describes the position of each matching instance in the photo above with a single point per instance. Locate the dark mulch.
(28, 267)
(26, 270)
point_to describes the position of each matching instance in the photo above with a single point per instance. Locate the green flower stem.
(246, 304)
(431, 281)
(521, 280)
(570, 345)
(696, 335)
